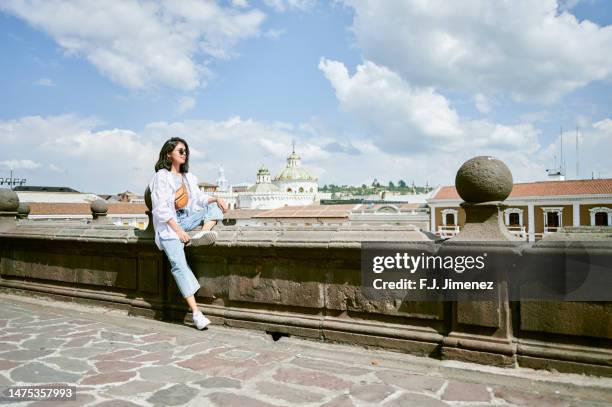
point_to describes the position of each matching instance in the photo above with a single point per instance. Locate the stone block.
(149, 273)
(343, 292)
(274, 281)
(479, 313)
(405, 345)
(212, 276)
(592, 319)
(485, 358)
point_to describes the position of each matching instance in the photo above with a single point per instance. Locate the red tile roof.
(308, 211)
(42, 208)
(545, 188)
(242, 213)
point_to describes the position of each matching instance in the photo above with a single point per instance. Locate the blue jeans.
(185, 280)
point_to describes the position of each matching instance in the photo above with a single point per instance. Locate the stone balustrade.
(307, 283)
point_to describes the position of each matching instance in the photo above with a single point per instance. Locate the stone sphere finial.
(147, 197)
(99, 207)
(23, 210)
(9, 200)
(483, 179)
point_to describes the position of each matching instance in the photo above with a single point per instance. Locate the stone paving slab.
(117, 360)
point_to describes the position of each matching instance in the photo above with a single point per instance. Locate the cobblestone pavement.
(117, 360)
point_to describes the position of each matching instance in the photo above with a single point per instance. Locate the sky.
(367, 89)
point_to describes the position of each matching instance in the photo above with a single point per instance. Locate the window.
(513, 217)
(449, 217)
(552, 219)
(301, 189)
(288, 189)
(601, 216)
(601, 219)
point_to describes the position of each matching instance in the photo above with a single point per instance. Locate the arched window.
(601, 216)
(450, 219)
(288, 189)
(513, 219)
(301, 189)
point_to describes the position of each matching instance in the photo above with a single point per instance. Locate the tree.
(391, 186)
(401, 183)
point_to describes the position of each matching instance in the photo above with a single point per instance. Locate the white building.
(294, 186)
(53, 195)
(295, 179)
(61, 203)
(222, 184)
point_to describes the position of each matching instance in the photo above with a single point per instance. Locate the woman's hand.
(222, 204)
(183, 236)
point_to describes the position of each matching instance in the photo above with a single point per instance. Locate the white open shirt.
(163, 189)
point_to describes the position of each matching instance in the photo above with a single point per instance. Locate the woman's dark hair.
(165, 162)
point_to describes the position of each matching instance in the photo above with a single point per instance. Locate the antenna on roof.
(293, 145)
(558, 173)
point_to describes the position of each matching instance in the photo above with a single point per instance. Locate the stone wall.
(298, 282)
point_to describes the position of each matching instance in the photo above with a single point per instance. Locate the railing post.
(99, 209)
(481, 330)
(23, 211)
(9, 204)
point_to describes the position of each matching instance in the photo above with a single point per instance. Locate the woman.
(178, 207)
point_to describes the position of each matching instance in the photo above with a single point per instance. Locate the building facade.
(533, 209)
(293, 186)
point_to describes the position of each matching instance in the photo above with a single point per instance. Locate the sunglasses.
(182, 151)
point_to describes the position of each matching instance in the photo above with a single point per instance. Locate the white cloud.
(593, 151)
(274, 33)
(404, 118)
(185, 104)
(143, 44)
(240, 3)
(568, 4)
(532, 117)
(482, 103)
(55, 168)
(19, 165)
(604, 126)
(417, 128)
(528, 50)
(284, 5)
(86, 155)
(45, 82)
(91, 159)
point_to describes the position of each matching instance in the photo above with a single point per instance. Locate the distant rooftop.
(45, 208)
(31, 188)
(545, 188)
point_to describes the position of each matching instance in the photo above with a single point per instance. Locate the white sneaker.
(200, 320)
(203, 237)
